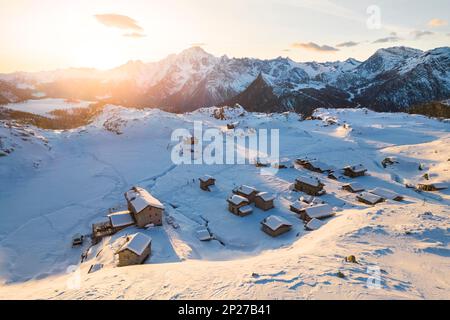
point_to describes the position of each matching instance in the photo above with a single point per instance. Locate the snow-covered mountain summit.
(391, 79)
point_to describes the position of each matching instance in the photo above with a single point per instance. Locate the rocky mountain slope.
(393, 79)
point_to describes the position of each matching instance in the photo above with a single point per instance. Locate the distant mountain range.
(393, 79)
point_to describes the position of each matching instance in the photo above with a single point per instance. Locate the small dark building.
(314, 165)
(355, 171)
(432, 186)
(247, 192)
(275, 226)
(136, 250)
(309, 185)
(369, 198)
(353, 187)
(232, 125)
(387, 194)
(320, 211)
(206, 181)
(239, 205)
(264, 201)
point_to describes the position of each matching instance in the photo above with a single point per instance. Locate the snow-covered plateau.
(55, 184)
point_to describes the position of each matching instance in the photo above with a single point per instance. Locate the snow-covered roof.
(355, 186)
(319, 211)
(205, 178)
(299, 205)
(370, 197)
(275, 222)
(237, 200)
(246, 209)
(384, 193)
(137, 243)
(357, 168)
(121, 219)
(309, 180)
(203, 234)
(321, 165)
(266, 196)
(314, 224)
(141, 199)
(244, 189)
(439, 185)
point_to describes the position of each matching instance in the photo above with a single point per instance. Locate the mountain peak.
(195, 51)
(399, 51)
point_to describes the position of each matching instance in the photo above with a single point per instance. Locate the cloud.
(435, 23)
(419, 34)
(286, 50)
(347, 44)
(392, 38)
(314, 47)
(134, 35)
(198, 44)
(118, 21)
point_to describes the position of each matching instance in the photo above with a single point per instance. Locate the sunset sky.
(51, 34)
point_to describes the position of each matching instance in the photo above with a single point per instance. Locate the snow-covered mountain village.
(229, 156)
(357, 208)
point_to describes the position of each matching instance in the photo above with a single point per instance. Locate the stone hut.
(309, 185)
(432, 186)
(320, 211)
(136, 250)
(275, 226)
(145, 208)
(239, 205)
(247, 192)
(206, 181)
(264, 201)
(369, 198)
(355, 171)
(353, 187)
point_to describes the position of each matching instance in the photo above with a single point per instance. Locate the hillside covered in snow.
(57, 183)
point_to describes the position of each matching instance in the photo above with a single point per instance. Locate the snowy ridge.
(83, 174)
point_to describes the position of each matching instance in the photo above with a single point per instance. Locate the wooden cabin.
(369, 198)
(120, 220)
(264, 201)
(236, 202)
(262, 163)
(275, 226)
(206, 181)
(247, 192)
(432, 186)
(298, 206)
(283, 164)
(355, 171)
(314, 165)
(320, 211)
(353, 187)
(145, 208)
(232, 125)
(309, 185)
(389, 161)
(136, 250)
(387, 194)
(116, 222)
(333, 175)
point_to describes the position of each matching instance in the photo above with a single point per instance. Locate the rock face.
(393, 79)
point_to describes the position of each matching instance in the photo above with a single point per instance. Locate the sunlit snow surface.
(43, 107)
(56, 184)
